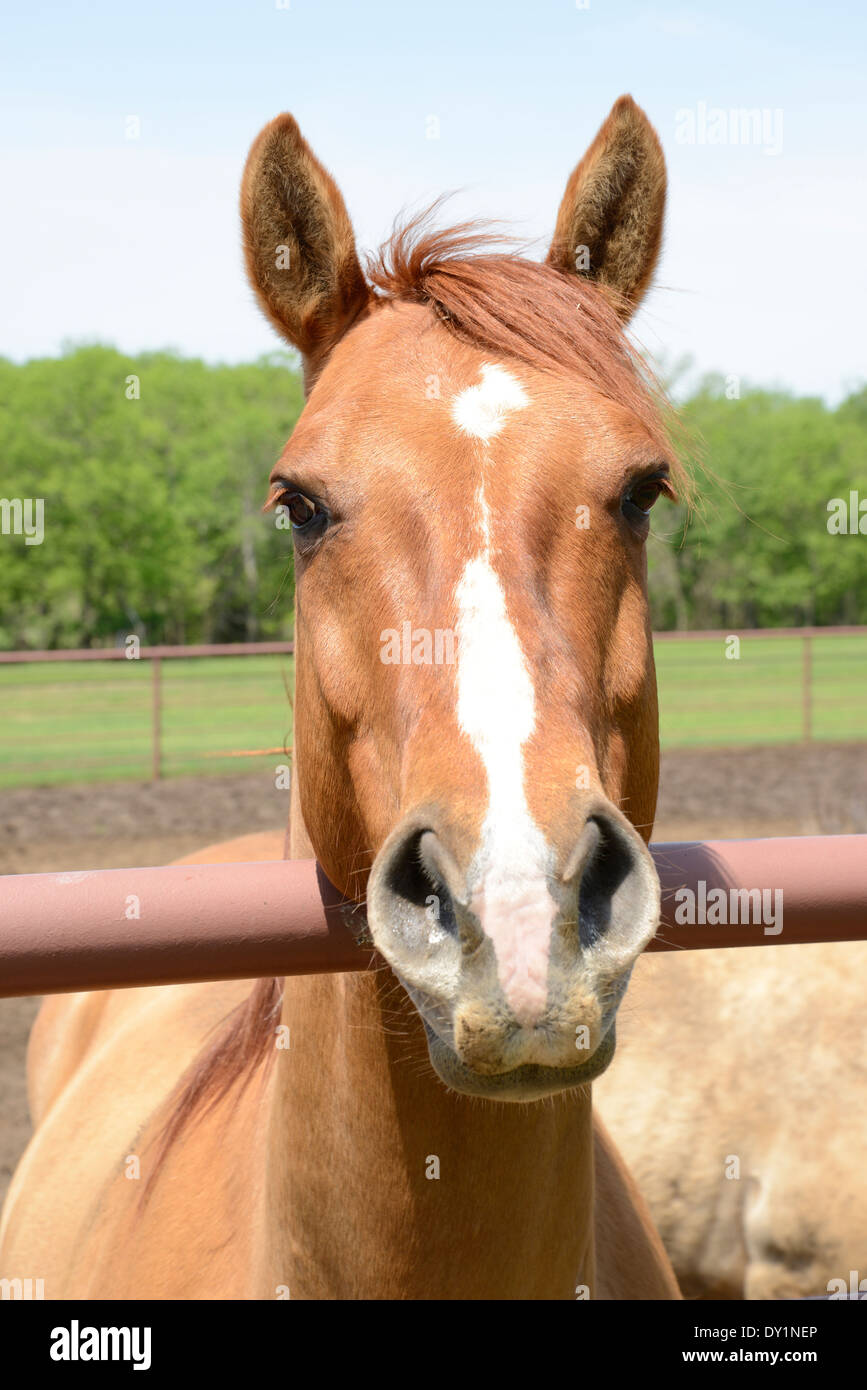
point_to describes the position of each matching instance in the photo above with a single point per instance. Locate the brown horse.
(754, 1178)
(476, 757)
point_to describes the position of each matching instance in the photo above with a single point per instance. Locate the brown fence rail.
(116, 928)
(150, 653)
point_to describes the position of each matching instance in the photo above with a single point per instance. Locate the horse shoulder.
(112, 1056)
(68, 1026)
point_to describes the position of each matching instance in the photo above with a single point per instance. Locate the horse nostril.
(603, 864)
(440, 866)
(424, 874)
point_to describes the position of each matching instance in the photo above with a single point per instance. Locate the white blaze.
(482, 411)
(496, 709)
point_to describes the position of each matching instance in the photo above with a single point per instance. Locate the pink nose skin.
(518, 917)
(518, 912)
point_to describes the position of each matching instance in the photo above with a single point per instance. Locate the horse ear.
(609, 226)
(299, 244)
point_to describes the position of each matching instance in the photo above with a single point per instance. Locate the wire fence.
(172, 711)
(78, 717)
(791, 685)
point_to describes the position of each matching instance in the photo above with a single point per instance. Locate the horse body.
(752, 1090)
(476, 760)
(321, 1189)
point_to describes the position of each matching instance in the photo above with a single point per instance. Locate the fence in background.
(766, 685)
(99, 720)
(63, 717)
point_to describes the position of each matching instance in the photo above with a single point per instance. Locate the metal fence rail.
(115, 928)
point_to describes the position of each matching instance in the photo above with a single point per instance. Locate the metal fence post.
(157, 717)
(807, 732)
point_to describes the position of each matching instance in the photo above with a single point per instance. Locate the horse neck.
(382, 1183)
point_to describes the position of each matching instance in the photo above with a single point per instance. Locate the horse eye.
(638, 499)
(300, 509)
(643, 495)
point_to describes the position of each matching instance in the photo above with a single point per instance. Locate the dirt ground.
(817, 789)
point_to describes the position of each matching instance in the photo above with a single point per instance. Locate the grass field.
(90, 721)
(706, 699)
(87, 721)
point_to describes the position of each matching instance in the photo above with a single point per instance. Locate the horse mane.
(241, 1046)
(510, 307)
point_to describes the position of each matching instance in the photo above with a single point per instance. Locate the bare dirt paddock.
(819, 789)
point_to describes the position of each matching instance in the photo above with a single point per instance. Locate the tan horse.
(469, 486)
(747, 1068)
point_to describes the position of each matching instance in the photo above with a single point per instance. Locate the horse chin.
(521, 1085)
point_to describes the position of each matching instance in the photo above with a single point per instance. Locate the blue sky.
(136, 241)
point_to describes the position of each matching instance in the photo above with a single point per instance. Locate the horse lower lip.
(524, 1083)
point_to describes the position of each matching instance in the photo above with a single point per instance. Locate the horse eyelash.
(274, 498)
(666, 486)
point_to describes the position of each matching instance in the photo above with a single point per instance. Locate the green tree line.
(755, 548)
(153, 470)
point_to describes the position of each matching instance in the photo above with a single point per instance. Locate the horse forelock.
(528, 312)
